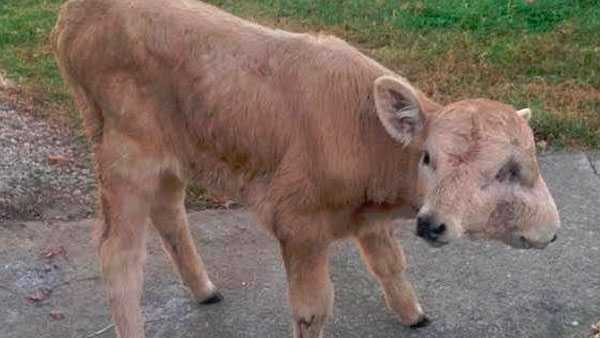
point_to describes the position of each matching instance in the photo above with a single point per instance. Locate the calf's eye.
(509, 173)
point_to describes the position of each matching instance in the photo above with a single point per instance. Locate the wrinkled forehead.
(480, 128)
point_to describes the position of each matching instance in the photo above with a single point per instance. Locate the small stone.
(231, 205)
(542, 145)
(53, 252)
(6, 83)
(38, 296)
(57, 159)
(56, 315)
(574, 323)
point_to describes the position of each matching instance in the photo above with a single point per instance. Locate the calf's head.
(478, 171)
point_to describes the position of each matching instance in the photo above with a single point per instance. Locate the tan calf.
(320, 141)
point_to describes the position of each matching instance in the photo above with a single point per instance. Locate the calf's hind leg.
(169, 218)
(385, 259)
(127, 187)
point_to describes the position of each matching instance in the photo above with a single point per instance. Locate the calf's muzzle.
(430, 229)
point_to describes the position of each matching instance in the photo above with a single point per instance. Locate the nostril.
(440, 229)
(554, 239)
(423, 227)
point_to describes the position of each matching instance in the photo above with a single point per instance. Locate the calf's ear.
(398, 108)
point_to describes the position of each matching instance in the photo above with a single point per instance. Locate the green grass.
(25, 56)
(539, 53)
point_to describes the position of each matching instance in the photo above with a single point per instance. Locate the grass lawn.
(25, 54)
(544, 54)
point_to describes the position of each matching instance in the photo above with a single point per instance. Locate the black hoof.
(215, 298)
(421, 323)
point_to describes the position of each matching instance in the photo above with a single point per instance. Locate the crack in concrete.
(594, 169)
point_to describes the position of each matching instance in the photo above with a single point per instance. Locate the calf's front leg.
(310, 290)
(385, 259)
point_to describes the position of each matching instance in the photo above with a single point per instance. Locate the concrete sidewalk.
(469, 289)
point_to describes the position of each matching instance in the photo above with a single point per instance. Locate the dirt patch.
(44, 172)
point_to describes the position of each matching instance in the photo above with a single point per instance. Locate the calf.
(322, 142)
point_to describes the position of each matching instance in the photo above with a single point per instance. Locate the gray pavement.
(469, 289)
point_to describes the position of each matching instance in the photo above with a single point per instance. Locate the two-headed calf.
(320, 141)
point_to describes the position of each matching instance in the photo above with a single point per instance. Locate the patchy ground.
(44, 173)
